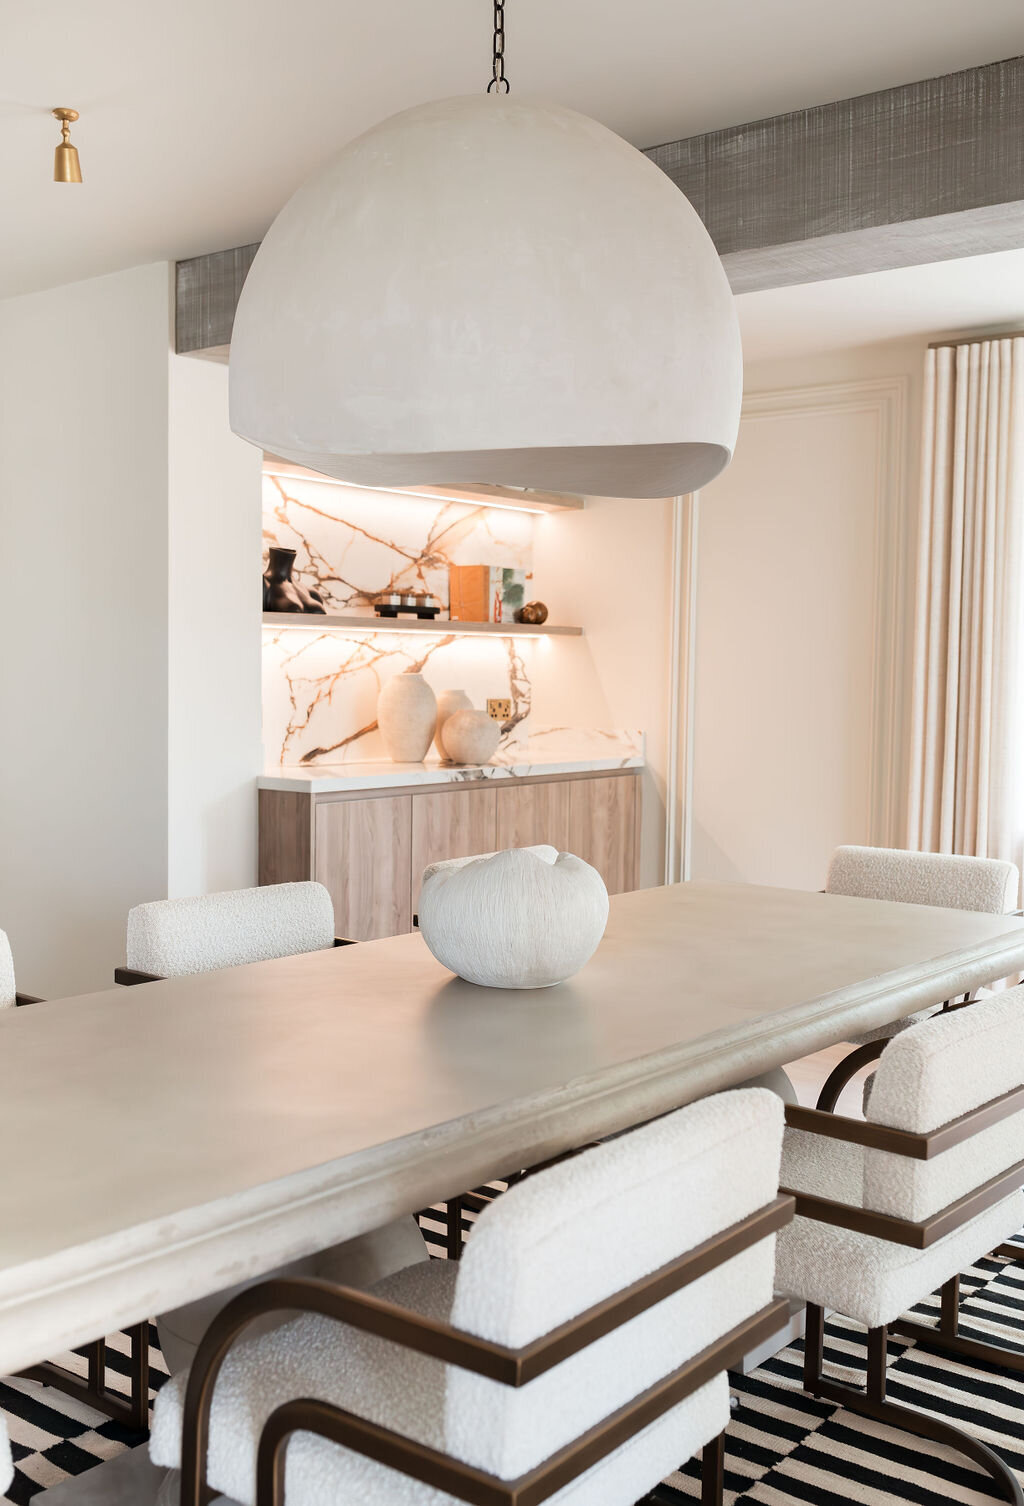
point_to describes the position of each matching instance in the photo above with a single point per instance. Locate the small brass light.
(66, 167)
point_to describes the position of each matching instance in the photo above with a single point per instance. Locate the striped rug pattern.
(783, 1448)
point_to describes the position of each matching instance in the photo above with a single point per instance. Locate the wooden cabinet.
(363, 850)
(370, 849)
(450, 823)
(604, 828)
(530, 814)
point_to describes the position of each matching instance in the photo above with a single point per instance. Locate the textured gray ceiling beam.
(921, 173)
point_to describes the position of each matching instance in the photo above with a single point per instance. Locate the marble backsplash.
(320, 689)
(353, 545)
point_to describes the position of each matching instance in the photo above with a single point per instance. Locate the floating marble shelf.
(315, 622)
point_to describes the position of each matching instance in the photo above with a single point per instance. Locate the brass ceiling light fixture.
(66, 166)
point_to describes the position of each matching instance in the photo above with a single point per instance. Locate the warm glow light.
(405, 491)
(443, 630)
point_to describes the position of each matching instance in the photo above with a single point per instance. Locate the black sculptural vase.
(281, 593)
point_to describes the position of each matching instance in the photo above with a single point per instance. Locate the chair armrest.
(21, 999)
(918, 1147)
(129, 976)
(902, 1231)
(409, 1457)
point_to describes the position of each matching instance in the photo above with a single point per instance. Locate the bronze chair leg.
(453, 1209)
(712, 1472)
(872, 1402)
(948, 1339)
(133, 1413)
(847, 1069)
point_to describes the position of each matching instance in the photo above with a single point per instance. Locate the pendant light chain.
(499, 84)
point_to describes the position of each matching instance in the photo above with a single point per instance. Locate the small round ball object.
(524, 918)
(534, 611)
(470, 736)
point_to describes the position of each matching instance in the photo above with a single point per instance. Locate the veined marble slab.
(559, 750)
(166, 1141)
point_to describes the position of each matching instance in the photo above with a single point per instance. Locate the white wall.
(608, 569)
(214, 606)
(83, 673)
(802, 615)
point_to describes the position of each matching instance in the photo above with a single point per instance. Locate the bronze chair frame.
(92, 1390)
(872, 1402)
(509, 1366)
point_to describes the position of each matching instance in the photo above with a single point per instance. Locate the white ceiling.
(199, 117)
(977, 294)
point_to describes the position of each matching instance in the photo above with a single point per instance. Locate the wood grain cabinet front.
(363, 857)
(531, 815)
(370, 851)
(604, 828)
(450, 824)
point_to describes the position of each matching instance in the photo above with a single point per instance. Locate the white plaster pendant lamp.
(491, 289)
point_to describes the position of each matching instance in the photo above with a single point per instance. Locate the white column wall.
(214, 616)
(83, 672)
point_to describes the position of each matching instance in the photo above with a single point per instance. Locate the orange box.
(485, 593)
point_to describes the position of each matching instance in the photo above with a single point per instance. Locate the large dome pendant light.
(488, 289)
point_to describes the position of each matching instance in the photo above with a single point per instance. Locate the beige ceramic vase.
(471, 737)
(448, 702)
(407, 717)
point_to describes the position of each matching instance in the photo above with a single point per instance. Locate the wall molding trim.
(886, 399)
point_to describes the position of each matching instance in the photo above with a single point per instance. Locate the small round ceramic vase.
(448, 702)
(470, 737)
(407, 717)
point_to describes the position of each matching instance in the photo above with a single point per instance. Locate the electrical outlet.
(499, 710)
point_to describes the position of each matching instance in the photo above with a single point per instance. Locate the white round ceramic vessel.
(525, 918)
(448, 702)
(407, 716)
(470, 737)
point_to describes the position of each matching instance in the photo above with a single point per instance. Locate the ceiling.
(199, 117)
(949, 298)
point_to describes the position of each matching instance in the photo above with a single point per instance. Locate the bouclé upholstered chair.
(948, 881)
(555, 1361)
(894, 1208)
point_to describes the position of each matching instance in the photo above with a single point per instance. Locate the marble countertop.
(557, 751)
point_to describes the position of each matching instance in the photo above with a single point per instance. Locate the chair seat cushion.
(313, 1356)
(867, 1279)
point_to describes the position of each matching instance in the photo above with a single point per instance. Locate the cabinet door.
(450, 824)
(603, 828)
(531, 814)
(362, 856)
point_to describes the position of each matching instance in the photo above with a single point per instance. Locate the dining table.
(165, 1141)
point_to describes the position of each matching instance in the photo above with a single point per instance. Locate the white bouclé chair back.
(172, 937)
(932, 1074)
(558, 1243)
(924, 878)
(7, 990)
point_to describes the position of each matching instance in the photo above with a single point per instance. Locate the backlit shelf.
(314, 622)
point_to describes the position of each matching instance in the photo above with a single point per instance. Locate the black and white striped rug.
(784, 1448)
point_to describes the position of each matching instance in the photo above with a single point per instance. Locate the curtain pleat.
(967, 727)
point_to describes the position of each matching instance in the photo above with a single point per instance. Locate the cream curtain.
(967, 739)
